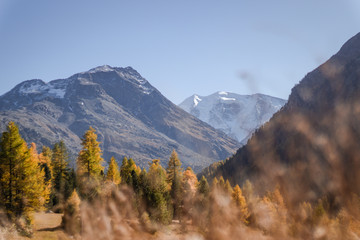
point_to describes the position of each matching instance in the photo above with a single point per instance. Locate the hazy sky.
(181, 47)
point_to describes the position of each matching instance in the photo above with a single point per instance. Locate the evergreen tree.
(202, 204)
(89, 165)
(113, 173)
(71, 220)
(61, 172)
(142, 192)
(157, 194)
(19, 176)
(248, 190)
(203, 187)
(126, 171)
(45, 161)
(174, 167)
(175, 178)
(123, 169)
(70, 183)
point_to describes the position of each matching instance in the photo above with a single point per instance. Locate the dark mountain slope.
(131, 117)
(312, 146)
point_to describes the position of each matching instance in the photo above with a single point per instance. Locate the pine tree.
(123, 169)
(127, 170)
(202, 204)
(19, 176)
(113, 173)
(203, 187)
(45, 162)
(89, 165)
(175, 178)
(142, 192)
(248, 190)
(157, 194)
(71, 220)
(60, 171)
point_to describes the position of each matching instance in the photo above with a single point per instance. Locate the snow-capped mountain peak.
(236, 115)
(103, 68)
(127, 73)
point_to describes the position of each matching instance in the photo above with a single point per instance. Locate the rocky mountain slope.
(236, 115)
(311, 147)
(132, 118)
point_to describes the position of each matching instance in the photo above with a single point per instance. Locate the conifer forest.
(127, 202)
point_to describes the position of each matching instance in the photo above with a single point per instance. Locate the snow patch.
(32, 88)
(104, 68)
(196, 100)
(227, 99)
(223, 93)
(141, 82)
(46, 90)
(58, 93)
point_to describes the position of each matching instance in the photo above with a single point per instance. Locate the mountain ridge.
(132, 118)
(311, 145)
(236, 115)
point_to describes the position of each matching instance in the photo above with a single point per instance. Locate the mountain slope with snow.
(236, 115)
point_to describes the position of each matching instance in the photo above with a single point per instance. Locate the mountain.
(311, 147)
(132, 118)
(236, 115)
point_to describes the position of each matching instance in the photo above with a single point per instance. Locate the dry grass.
(46, 227)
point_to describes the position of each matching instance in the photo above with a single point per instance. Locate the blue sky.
(180, 47)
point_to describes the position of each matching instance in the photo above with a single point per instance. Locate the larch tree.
(89, 165)
(174, 167)
(190, 184)
(41, 185)
(21, 189)
(215, 184)
(240, 203)
(227, 187)
(222, 182)
(113, 173)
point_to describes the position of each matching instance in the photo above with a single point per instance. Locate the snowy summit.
(236, 115)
